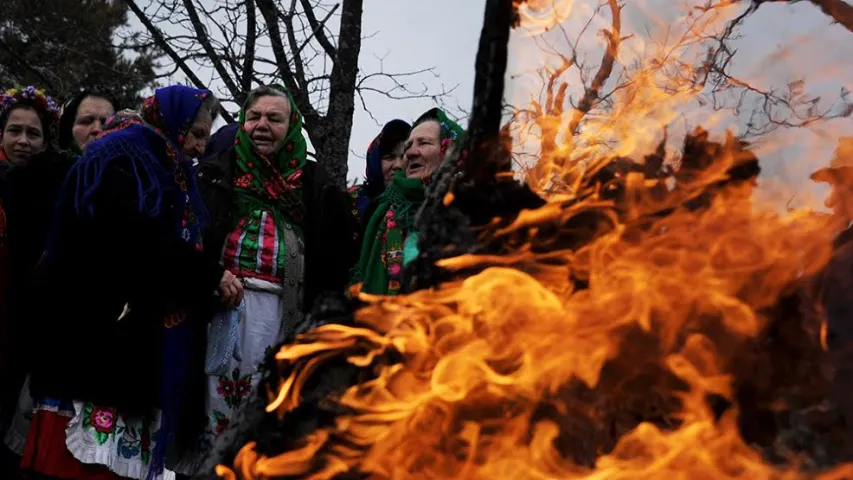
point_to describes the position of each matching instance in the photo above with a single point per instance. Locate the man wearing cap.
(837, 281)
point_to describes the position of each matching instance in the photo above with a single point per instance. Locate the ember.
(648, 323)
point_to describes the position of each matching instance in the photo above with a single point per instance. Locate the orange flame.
(482, 355)
(536, 367)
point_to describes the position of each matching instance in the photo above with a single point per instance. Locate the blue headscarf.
(392, 134)
(152, 143)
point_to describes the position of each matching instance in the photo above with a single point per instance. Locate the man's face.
(423, 150)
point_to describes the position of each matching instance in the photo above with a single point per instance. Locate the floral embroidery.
(235, 389)
(134, 441)
(392, 248)
(101, 420)
(220, 421)
(267, 361)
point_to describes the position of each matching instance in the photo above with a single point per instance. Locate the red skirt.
(46, 452)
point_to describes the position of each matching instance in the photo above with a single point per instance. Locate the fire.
(621, 333)
(517, 372)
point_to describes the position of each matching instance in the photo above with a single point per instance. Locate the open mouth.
(415, 168)
(262, 139)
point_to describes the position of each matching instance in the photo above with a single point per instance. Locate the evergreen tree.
(65, 45)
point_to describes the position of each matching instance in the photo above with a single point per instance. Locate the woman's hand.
(230, 289)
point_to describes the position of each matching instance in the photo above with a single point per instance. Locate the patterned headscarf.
(272, 183)
(152, 142)
(380, 264)
(393, 134)
(451, 133)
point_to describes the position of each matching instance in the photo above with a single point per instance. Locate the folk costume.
(279, 225)
(392, 135)
(116, 371)
(23, 223)
(390, 229)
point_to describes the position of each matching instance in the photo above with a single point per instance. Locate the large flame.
(506, 374)
(605, 357)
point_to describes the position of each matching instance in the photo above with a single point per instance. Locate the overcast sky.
(781, 43)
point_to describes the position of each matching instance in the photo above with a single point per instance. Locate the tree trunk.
(333, 138)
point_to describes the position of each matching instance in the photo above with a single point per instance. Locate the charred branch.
(485, 120)
(592, 92)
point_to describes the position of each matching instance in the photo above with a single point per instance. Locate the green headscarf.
(393, 219)
(450, 132)
(385, 240)
(272, 183)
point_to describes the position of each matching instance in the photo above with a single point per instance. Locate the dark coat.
(329, 228)
(29, 193)
(99, 264)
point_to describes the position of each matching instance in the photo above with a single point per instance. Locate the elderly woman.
(115, 358)
(391, 221)
(279, 225)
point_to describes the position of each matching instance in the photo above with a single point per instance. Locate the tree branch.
(163, 44)
(204, 40)
(251, 38)
(317, 28)
(312, 116)
(47, 83)
(591, 93)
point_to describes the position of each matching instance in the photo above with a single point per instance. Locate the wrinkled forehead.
(270, 104)
(429, 130)
(93, 104)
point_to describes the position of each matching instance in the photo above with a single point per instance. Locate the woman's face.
(423, 150)
(195, 142)
(267, 122)
(91, 115)
(23, 135)
(392, 162)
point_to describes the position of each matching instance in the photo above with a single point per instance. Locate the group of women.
(122, 262)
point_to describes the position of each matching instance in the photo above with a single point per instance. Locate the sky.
(781, 43)
(411, 35)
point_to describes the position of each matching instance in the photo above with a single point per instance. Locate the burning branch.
(591, 94)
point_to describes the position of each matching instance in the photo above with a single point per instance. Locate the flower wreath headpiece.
(37, 96)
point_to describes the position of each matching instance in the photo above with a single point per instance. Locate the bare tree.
(310, 46)
(586, 95)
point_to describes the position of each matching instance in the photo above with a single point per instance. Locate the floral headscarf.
(274, 182)
(450, 133)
